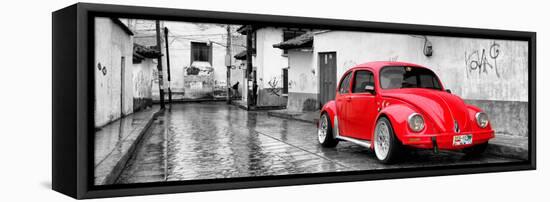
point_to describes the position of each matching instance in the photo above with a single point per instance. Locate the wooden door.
(122, 86)
(327, 77)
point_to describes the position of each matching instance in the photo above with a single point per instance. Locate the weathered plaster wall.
(507, 117)
(243, 81)
(491, 74)
(301, 76)
(479, 69)
(302, 81)
(142, 81)
(113, 47)
(145, 34)
(270, 63)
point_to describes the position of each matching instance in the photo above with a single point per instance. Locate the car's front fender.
(330, 109)
(398, 113)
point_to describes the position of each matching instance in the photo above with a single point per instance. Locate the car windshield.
(408, 77)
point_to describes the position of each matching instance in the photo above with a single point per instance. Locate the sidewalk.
(115, 143)
(502, 145)
(308, 117)
(243, 105)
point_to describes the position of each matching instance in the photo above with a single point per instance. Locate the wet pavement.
(214, 140)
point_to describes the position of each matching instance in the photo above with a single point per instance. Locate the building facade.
(491, 74)
(197, 53)
(268, 79)
(112, 71)
(144, 64)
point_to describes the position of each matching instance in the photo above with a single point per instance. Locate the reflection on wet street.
(213, 140)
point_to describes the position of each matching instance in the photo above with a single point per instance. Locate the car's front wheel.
(324, 132)
(386, 146)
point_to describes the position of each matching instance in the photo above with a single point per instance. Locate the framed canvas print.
(156, 100)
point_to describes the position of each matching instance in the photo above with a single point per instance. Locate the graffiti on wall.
(155, 79)
(306, 80)
(483, 61)
(142, 85)
(273, 84)
(191, 70)
(102, 69)
(349, 64)
(291, 84)
(303, 78)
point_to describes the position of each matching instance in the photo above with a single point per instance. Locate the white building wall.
(270, 61)
(302, 77)
(451, 60)
(302, 81)
(142, 78)
(112, 43)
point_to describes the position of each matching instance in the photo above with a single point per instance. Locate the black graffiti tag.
(484, 60)
(273, 90)
(102, 69)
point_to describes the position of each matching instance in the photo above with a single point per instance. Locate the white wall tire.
(386, 146)
(325, 135)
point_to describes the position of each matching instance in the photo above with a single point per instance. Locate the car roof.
(377, 65)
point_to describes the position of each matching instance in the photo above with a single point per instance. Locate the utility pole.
(168, 64)
(159, 66)
(249, 66)
(228, 64)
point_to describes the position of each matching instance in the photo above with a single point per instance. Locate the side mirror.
(370, 89)
(448, 90)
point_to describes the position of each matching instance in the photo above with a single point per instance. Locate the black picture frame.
(72, 100)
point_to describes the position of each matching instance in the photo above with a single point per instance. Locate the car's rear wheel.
(386, 146)
(475, 150)
(325, 136)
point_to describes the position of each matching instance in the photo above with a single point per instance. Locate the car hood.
(439, 107)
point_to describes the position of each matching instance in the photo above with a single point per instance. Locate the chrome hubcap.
(382, 140)
(323, 128)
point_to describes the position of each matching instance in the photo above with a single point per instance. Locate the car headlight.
(482, 119)
(416, 122)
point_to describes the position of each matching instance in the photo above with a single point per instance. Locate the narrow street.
(214, 140)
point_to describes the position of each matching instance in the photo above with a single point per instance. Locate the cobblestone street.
(215, 140)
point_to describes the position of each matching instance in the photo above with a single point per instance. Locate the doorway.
(327, 77)
(122, 84)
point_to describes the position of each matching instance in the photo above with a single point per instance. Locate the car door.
(361, 109)
(342, 102)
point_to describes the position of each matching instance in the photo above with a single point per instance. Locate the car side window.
(363, 82)
(344, 85)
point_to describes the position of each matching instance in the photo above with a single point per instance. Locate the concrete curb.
(290, 117)
(509, 151)
(113, 175)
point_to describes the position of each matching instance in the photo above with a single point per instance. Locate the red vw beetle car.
(389, 106)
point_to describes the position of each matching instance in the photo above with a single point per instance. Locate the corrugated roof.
(241, 55)
(145, 52)
(303, 41)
